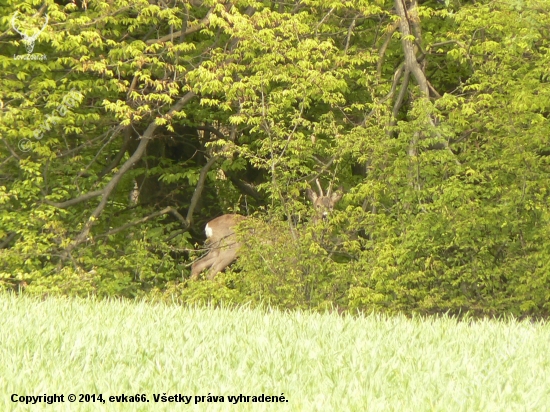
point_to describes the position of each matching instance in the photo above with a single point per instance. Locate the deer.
(221, 239)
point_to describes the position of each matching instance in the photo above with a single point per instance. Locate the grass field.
(318, 362)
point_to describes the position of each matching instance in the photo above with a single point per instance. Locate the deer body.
(222, 239)
(223, 245)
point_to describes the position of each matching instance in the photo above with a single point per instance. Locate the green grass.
(319, 362)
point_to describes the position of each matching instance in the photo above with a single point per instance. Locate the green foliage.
(286, 267)
(245, 104)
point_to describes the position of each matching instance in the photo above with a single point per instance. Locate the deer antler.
(319, 186)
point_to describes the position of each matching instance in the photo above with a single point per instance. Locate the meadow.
(310, 361)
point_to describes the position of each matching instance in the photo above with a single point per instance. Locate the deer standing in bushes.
(222, 240)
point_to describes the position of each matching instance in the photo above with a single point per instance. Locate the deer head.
(324, 204)
(222, 240)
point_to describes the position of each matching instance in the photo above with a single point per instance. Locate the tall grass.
(319, 362)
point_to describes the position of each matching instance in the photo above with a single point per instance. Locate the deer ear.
(311, 194)
(336, 196)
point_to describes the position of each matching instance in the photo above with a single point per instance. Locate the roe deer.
(222, 240)
(324, 204)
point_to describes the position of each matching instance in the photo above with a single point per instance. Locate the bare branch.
(7, 159)
(433, 90)
(108, 189)
(11, 150)
(411, 62)
(244, 187)
(350, 31)
(200, 25)
(132, 87)
(212, 129)
(164, 211)
(115, 133)
(382, 51)
(400, 97)
(205, 169)
(414, 22)
(4, 244)
(396, 76)
(115, 162)
(76, 200)
(324, 167)
(323, 20)
(443, 43)
(88, 143)
(199, 188)
(175, 234)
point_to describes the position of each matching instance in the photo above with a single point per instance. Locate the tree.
(433, 116)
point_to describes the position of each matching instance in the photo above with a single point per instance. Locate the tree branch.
(118, 156)
(88, 143)
(11, 150)
(202, 22)
(350, 31)
(382, 51)
(5, 243)
(400, 97)
(411, 62)
(115, 133)
(396, 76)
(164, 211)
(199, 188)
(323, 20)
(212, 129)
(108, 189)
(205, 169)
(244, 187)
(76, 200)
